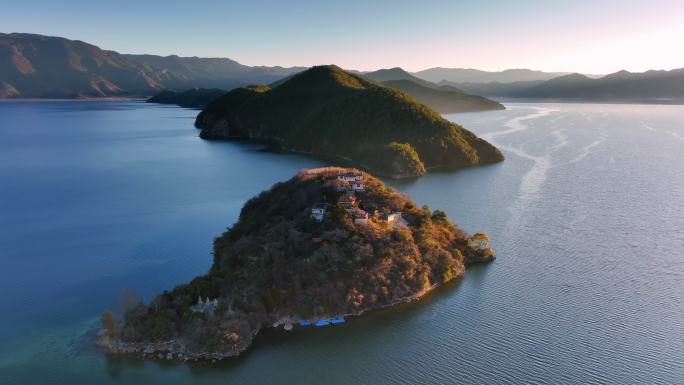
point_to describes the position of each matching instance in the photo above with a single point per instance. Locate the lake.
(586, 215)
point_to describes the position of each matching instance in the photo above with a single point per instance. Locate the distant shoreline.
(589, 101)
(500, 100)
(102, 99)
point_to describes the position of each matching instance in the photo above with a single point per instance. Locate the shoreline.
(502, 100)
(103, 99)
(173, 350)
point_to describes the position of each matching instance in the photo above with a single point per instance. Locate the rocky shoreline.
(166, 350)
(175, 350)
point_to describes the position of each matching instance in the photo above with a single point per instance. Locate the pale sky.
(596, 37)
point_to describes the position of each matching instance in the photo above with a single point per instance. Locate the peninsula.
(192, 98)
(328, 244)
(328, 112)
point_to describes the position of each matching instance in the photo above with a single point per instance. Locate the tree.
(110, 324)
(439, 216)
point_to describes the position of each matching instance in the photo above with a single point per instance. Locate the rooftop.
(360, 213)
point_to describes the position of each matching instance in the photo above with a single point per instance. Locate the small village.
(352, 184)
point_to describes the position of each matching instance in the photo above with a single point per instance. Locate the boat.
(305, 323)
(322, 323)
(338, 320)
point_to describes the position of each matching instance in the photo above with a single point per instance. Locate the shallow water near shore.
(586, 215)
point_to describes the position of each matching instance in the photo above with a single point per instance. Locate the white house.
(342, 185)
(318, 211)
(207, 306)
(360, 216)
(395, 219)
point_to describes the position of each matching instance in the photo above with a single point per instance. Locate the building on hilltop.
(347, 202)
(357, 185)
(350, 181)
(350, 176)
(342, 185)
(395, 219)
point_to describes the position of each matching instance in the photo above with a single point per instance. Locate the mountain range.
(37, 66)
(469, 75)
(649, 86)
(622, 86)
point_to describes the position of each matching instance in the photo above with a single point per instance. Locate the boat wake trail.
(586, 150)
(534, 178)
(517, 124)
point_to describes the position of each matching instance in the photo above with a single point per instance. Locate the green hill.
(278, 266)
(328, 112)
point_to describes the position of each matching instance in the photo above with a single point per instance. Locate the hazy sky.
(597, 36)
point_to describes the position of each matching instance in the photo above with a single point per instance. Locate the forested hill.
(280, 265)
(329, 112)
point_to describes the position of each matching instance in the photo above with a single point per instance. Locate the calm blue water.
(586, 214)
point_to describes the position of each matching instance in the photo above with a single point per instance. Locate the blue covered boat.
(322, 323)
(338, 320)
(305, 323)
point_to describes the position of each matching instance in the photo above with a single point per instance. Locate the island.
(325, 246)
(328, 112)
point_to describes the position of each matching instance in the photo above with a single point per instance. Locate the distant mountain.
(443, 99)
(650, 86)
(37, 66)
(396, 73)
(493, 89)
(469, 75)
(192, 98)
(328, 112)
